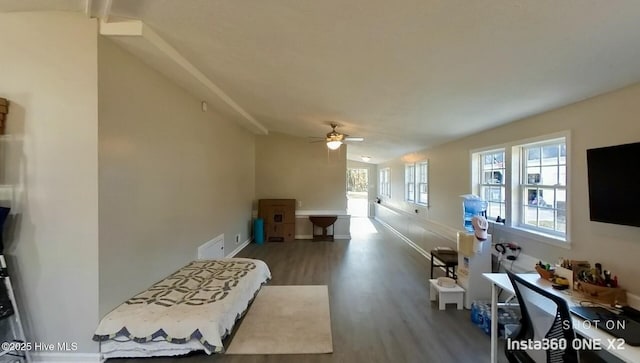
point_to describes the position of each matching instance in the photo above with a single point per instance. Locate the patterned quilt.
(200, 301)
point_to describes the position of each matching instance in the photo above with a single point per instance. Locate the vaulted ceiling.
(405, 75)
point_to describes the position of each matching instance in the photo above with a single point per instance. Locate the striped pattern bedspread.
(201, 301)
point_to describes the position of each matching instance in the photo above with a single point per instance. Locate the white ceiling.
(404, 74)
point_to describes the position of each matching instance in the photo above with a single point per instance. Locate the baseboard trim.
(66, 357)
(239, 248)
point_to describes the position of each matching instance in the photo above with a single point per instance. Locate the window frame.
(410, 183)
(413, 183)
(385, 182)
(420, 182)
(525, 186)
(480, 185)
(514, 195)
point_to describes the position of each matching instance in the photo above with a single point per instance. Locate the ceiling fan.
(335, 139)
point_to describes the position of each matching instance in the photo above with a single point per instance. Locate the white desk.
(501, 280)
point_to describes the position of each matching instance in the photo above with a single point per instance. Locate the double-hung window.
(416, 181)
(423, 183)
(526, 183)
(492, 182)
(410, 182)
(543, 186)
(385, 183)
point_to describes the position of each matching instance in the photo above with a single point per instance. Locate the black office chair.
(544, 316)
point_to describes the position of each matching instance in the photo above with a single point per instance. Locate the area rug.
(286, 320)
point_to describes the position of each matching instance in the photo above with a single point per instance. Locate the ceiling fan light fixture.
(334, 144)
(365, 158)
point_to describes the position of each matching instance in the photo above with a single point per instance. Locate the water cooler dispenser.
(472, 206)
(474, 255)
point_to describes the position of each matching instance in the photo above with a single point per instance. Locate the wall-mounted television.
(614, 184)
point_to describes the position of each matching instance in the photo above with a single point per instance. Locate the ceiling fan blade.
(354, 138)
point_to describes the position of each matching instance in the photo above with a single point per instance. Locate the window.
(416, 175)
(526, 184)
(543, 186)
(410, 182)
(423, 183)
(492, 182)
(385, 185)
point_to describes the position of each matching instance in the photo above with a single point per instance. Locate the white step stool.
(446, 294)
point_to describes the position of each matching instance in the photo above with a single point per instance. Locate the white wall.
(48, 71)
(600, 121)
(292, 167)
(171, 176)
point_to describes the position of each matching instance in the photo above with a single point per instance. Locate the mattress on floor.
(199, 303)
(130, 349)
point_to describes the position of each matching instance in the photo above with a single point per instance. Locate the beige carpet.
(286, 320)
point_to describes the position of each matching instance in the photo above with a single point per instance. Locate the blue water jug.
(472, 206)
(258, 231)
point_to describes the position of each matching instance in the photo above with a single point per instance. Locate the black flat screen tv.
(614, 184)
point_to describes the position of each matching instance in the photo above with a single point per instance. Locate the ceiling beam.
(146, 44)
(88, 6)
(98, 9)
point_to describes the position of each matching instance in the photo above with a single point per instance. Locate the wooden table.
(323, 222)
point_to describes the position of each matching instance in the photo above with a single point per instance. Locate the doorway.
(357, 192)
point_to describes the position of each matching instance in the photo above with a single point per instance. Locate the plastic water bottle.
(503, 319)
(486, 323)
(480, 315)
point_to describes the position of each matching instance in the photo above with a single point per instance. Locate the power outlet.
(237, 238)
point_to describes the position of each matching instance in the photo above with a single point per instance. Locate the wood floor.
(379, 297)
